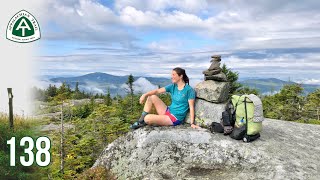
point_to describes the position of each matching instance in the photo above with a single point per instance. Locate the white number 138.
(29, 158)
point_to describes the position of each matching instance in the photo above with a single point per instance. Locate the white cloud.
(191, 6)
(167, 45)
(283, 66)
(83, 20)
(81, 14)
(176, 19)
(284, 61)
(261, 24)
(243, 25)
(310, 81)
(141, 85)
(91, 88)
(43, 84)
(254, 27)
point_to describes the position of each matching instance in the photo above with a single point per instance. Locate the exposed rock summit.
(286, 150)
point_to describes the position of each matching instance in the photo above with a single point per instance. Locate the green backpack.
(248, 108)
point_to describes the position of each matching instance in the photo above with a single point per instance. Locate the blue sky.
(279, 39)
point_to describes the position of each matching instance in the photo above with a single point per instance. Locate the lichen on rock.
(285, 151)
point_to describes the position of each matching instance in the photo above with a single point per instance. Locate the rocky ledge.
(286, 150)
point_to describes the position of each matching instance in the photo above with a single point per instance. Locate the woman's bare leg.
(153, 119)
(162, 120)
(158, 104)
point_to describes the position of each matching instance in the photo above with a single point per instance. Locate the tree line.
(98, 124)
(95, 125)
(288, 104)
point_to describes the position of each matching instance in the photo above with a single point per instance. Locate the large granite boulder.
(286, 150)
(207, 112)
(213, 91)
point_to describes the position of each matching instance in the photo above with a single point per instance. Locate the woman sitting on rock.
(182, 96)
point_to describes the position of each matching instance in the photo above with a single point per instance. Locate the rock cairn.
(212, 94)
(215, 72)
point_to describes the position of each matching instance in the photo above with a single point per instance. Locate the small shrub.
(98, 173)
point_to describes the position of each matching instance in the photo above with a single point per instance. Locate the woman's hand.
(142, 98)
(195, 126)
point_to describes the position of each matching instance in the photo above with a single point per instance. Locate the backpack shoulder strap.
(235, 107)
(245, 109)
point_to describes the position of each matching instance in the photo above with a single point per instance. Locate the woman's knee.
(153, 97)
(149, 98)
(147, 119)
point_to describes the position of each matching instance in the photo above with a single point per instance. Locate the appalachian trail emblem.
(23, 28)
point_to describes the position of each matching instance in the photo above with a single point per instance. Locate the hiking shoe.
(137, 125)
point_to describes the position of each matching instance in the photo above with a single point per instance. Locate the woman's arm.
(192, 116)
(153, 92)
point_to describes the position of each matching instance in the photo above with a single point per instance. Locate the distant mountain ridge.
(99, 77)
(273, 85)
(99, 83)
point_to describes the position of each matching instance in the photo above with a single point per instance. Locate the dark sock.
(141, 119)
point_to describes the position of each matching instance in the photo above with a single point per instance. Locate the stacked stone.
(215, 72)
(212, 94)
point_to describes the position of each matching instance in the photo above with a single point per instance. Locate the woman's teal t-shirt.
(179, 100)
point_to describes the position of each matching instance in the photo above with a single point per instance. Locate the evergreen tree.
(247, 90)
(77, 94)
(130, 85)
(312, 105)
(69, 89)
(77, 88)
(83, 94)
(52, 90)
(107, 98)
(63, 92)
(63, 88)
(232, 78)
(285, 105)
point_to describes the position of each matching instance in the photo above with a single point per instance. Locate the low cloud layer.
(141, 85)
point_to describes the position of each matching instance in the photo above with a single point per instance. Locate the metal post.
(10, 96)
